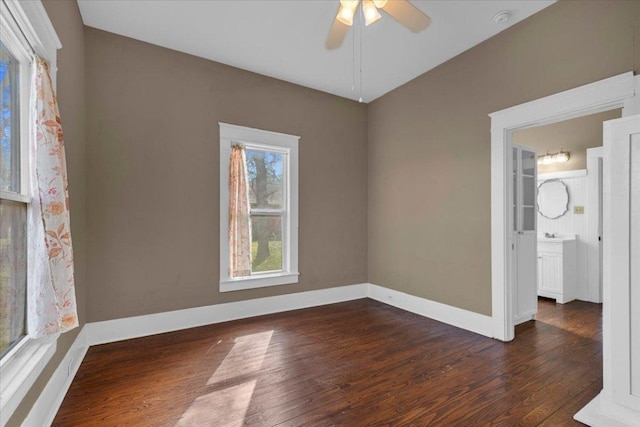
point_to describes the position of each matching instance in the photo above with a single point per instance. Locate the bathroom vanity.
(557, 267)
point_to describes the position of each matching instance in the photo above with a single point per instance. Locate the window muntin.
(273, 199)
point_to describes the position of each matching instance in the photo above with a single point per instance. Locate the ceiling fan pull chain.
(360, 25)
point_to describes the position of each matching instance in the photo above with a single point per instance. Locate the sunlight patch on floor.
(245, 357)
(228, 405)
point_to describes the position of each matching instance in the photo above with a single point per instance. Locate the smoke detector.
(502, 17)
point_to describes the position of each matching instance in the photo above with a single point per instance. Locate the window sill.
(261, 281)
(19, 369)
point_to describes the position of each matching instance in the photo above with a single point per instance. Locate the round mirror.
(553, 199)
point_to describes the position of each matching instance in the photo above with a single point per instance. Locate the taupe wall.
(574, 136)
(429, 144)
(153, 176)
(405, 181)
(66, 19)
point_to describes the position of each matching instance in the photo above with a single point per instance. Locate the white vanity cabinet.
(557, 269)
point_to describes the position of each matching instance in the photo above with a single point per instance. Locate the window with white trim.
(14, 199)
(24, 28)
(272, 177)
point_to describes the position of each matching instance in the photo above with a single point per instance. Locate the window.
(13, 207)
(267, 200)
(272, 179)
(24, 26)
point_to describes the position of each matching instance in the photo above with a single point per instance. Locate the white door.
(598, 295)
(524, 237)
(593, 239)
(622, 261)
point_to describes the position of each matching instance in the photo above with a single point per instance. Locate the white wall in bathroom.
(572, 223)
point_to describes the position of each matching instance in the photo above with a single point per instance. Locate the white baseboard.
(142, 326)
(464, 319)
(46, 407)
(601, 412)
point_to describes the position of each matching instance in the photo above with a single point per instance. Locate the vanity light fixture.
(550, 158)
(547, 159)
(562, 157)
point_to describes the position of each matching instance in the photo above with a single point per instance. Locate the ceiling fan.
(400, 10)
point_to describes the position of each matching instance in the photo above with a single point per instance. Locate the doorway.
(568, 210)
(612, 93)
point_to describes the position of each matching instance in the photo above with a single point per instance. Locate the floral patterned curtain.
(239, 215)
(51, 300)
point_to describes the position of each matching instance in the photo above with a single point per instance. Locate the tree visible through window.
(258, 241)
(268, 205)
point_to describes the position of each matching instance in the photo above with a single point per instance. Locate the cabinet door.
(550, 267)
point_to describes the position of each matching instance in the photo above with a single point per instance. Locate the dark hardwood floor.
(357, 363)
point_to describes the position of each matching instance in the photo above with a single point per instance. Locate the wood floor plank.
(357, 363)
(564, 415)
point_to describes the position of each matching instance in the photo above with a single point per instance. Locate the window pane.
(13, 272)
(528, 191)
(528, 163)
(9, 148)
(265, 179)
(528, 218)
(515, 188)
(266, 245)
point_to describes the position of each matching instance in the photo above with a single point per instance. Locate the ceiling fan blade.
(407, 14)
(337, 34)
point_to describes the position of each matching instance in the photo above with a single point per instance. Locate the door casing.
(604, 95)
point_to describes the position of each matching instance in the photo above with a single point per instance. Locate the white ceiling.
(285, 38)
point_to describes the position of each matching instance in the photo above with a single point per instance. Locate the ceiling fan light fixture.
(370, 11)
(350, 4)
(380, 3)
(345, 14)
